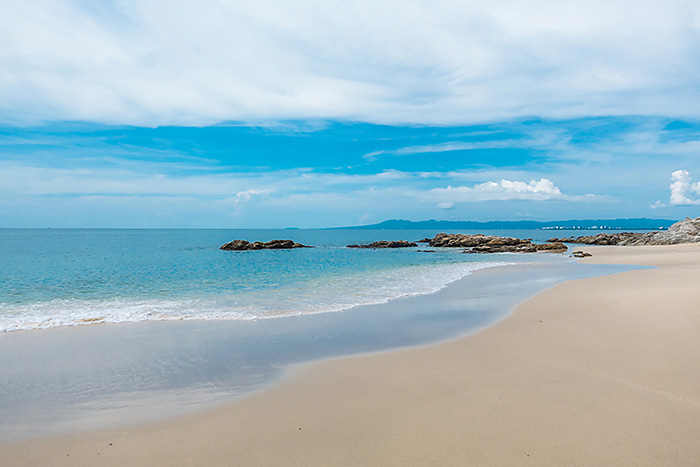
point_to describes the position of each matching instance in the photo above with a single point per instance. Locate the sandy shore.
(602, 371)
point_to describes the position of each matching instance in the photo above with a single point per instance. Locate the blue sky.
(313, 114)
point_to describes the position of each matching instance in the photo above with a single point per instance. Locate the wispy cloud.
(440, 147)
(153, 62)
(240, 187)
(552, 140)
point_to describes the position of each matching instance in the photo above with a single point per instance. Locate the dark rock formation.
(550, 246)
(580, 254)
(387, 244)
(243, 245)
(623, 238)
(470, 241)
(525, 247)
(492, 244)
(685, 231)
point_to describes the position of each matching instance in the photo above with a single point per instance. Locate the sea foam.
(316, 295)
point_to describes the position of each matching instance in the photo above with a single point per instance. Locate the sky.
(237, 114)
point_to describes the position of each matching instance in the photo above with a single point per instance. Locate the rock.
(685, 231)
(552, 246)
(493, 244)
(603, 238)
(469, 241)
(425, 251)
(387, 244)
(523, 248)
(243, 245)
(580, 254)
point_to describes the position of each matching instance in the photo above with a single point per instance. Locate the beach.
(597, 371)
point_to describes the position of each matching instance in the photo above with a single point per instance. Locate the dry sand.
(602, 371)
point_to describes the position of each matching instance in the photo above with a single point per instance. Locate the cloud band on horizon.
(152, 62)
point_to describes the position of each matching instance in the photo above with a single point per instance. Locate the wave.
(327, 294)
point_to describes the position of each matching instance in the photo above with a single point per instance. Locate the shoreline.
(79, 379)
(613, 381)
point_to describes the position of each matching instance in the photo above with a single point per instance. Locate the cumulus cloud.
(243, 196)
(535, 190)
(683, 191)
(155, 62)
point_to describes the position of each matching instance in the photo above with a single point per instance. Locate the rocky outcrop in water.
(685, 231)
(492, 244)
(528, 247)
(470, 241)
(550, 246)
(623, 238)
(243, 245)
(387, 244)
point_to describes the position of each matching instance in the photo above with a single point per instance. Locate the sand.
(602, 371)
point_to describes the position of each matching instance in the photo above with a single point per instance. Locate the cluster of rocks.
(243, 245)
(685, 231)
(387, 244)
(480, 243)
(622, 238)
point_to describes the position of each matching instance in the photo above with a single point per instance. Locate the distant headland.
(575, 224)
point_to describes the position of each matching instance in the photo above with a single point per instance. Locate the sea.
(107, 327)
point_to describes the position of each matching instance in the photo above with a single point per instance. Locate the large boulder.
(243, 245)
(685, 231)
(387, 244)
(557, 247)
(445, 240)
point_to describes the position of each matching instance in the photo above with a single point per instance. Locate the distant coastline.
(573, 224)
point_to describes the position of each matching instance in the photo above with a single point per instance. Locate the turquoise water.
(55, 277)
(188, 328)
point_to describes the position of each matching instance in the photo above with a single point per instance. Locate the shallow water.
(53, 277)
(90, 377)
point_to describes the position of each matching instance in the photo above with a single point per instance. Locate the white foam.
(329, 294)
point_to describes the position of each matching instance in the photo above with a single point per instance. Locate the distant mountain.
(577, 224)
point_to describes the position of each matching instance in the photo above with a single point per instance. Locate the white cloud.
(244, 196)
(154, 62)
(505, 190)
(682, 189)
(19, 180)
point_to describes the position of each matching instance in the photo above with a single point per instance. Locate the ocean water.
(111, 327)
(52, 278)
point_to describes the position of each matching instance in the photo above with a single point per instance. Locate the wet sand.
(601, 371)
